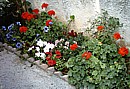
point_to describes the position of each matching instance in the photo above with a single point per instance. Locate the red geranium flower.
(58, 54)
(117, 35)
(48, 22)
(44, 5)
(72, 33)
(123, 51)
(35, 11)
(99, 28)
(51, 12)
(51, 62)
(30, 16)
(23, 29)
(87, 55)
(49, 53)
(24, 15)
(48, 58)
(73, 47)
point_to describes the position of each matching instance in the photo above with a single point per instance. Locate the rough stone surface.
(89, 9)
(15, 75)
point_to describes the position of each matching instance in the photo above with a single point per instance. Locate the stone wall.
(89, 9)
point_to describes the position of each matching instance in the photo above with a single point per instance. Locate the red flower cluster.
(117, 35)
(58, 54)
(50, 62)
(51, 12)
(73, 47)
(27, 16)
(48, 22)
(36, 11)
(44, 5)
(72, 33)
(87, 55)
(23, 29)
(123, 51)
(99, 28)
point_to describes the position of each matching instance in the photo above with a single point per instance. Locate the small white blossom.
(51, 46)
(30, 48)
(37, 54)
(46, 49)
(42, 55)
(37, 49)
(67, 43)
(75, 42)
(40, 43)
(44, 43)
(65, 47)
(62, 40)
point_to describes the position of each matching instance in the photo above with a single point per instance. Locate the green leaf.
(72, 17)
(91, 86)
(95, 72)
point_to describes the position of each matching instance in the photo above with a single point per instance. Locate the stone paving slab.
(14, 74)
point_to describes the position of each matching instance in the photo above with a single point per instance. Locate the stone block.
(65, 77)
(18, 53)
(31, 59)
(5, 45)
(58, 73)
(10, 48)
(44, 66)
(37, 62)
(50, 70)
(25, 56)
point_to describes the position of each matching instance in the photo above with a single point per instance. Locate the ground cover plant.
(97, 61)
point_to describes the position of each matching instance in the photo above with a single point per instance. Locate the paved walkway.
(14, 74)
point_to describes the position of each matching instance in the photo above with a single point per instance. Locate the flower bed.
(97, 61)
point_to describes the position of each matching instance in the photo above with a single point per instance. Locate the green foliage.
(106, 69)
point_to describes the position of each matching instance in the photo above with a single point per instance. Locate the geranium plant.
(101, 65)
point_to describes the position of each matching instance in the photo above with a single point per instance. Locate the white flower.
(46, 49)
(30, 48)
(51, 46)
(45, 43)
(65, 47)
(42, 55)
(37, 49)
(40, 43)
(75, 42)
(67, 43)
(37, 54)
(62, 40)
